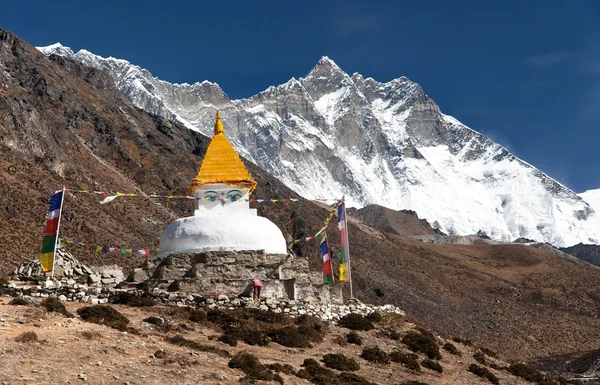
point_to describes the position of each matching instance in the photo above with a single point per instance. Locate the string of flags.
(112, 195)
(109, 249)
(326, 223)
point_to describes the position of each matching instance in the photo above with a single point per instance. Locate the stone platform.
(231, 272)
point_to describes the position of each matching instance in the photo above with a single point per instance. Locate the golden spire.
(218, 124)
(222, 164)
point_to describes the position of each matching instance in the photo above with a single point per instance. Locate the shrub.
(340, 362)
(408, 360)
(19, 301)
(424, 343)
(354, 338)
(228, 339)
(483, 373)
(451, 349)
(252, 367)
(352, 379)
(53, 304)
(355, 321)
(489, 352)
(376, 355)
(285, 368)
(181, 341)
(104, 315)
(27, 337)
(133, 299)
(3, 282)
(197, 316)
(303, 373)
(479, 357)
(526, 372)
(312, 334)
(340, 340)
(462, 341)
(429, 364)
(391, 334)
(318, 374)
(289, 336)
(374, 316)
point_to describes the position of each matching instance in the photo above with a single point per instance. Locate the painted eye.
(234, 195)
(211, 196)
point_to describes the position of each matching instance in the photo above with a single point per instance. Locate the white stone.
(95, 301)
(62, 298)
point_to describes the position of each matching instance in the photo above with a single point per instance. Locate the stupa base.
(230, 273)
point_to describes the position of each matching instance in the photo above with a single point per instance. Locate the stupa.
(223, 219)
(225, 244)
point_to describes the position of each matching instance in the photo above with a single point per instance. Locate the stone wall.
(99, 295)
(231, 272)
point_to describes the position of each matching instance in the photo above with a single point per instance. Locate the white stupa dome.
(223, 220)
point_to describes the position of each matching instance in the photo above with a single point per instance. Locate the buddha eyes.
(234, 195)
(211, 195)
(231, 196)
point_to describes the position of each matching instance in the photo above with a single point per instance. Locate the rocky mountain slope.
(402, 222)
(330, 134)
(63, 124)
(588, 253)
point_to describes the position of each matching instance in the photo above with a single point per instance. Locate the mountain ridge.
(330, 134)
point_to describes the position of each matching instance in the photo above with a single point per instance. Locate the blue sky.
(525, 73)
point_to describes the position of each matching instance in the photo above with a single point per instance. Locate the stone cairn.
(67, 267)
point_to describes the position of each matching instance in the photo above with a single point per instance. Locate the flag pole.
(62, 199)
(348, 248)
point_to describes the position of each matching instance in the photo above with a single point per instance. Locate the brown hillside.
(401, 222)
(65, 125)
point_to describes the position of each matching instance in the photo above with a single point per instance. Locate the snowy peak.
(328, 134)
(592, 197)
(56, 49)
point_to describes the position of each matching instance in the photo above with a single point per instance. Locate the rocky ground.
(70, 350)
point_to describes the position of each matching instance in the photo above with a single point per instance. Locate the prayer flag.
(327, 268)
(51, 231)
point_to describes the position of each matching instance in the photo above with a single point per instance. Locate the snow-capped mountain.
(592, 197)
(329, 134)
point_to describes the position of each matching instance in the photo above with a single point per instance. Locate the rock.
(138, 275)
(223, 297)
(94, 301)
(62, 298)
(155, 320)
(108, 281)
(82, 377)
(93, 278)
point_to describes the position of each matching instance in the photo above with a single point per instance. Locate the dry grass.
(27, 337)
(181, 341)
(91, 335)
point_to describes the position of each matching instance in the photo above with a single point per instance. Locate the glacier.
(330, 134)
